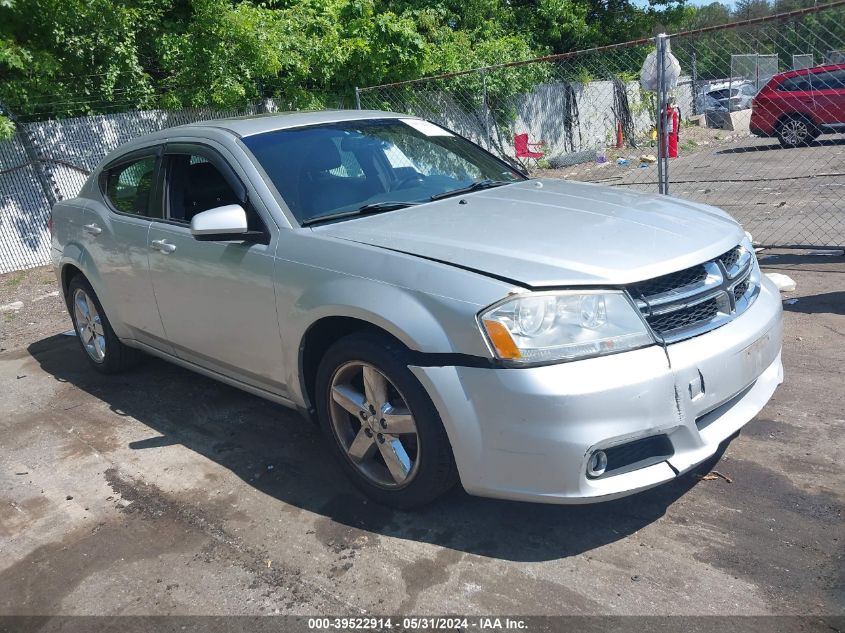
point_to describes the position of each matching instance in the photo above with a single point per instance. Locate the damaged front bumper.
(529, 433)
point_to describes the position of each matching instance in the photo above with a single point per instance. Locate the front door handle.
(93, 229)
(162, 246)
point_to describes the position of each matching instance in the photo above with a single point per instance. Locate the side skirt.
(256, 391)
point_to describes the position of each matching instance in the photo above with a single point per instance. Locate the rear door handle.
(93, 229)
(162, 246)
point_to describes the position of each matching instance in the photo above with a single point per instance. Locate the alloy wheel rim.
(796, 132)
(373, 425)
(89, 326)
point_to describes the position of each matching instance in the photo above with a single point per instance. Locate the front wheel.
(381, 423)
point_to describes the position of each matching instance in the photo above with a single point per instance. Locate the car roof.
(260, 123)
(807, 71)
(249, 125)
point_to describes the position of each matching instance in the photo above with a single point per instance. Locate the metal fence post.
(694, 76)
(42, 173)
(664, 141)
(33, 153)
(486, 108)
(357, 98)
(661, 104)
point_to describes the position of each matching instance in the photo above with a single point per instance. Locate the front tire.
(100, 344)
(381, 423)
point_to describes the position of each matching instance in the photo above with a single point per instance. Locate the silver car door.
(216, 299)
(116, 230)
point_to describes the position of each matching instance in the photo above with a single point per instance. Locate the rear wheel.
(381, 423)
(102, 348)
(796, 131)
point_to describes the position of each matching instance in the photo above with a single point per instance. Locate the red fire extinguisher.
(672, 124)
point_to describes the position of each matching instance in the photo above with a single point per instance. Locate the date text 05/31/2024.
(410, 623)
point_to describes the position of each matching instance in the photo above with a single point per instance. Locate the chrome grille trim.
(712, 281)
(736, 261)
(677, 313)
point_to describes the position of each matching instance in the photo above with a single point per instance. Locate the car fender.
(419, 321)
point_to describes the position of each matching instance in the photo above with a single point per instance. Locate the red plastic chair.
(523, 147)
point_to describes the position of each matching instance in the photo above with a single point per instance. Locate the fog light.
(597, 464)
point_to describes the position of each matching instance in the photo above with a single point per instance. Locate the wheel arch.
(76, 260)
(325, 312)
(316, 341)
(786, 116)
(69, 270)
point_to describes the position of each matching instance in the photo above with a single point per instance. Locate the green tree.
(75, 57)
(67, 57)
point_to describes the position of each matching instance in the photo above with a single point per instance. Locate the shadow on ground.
(779, 260)
(776, 146)
(825, 303)
(283, 456)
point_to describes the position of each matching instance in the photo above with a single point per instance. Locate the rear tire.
(99, 343)
(796, 131)
(381, 424)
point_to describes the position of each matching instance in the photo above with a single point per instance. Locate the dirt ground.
(163, 492)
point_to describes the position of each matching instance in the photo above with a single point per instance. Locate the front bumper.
(527, 433)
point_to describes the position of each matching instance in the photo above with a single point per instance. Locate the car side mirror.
(221, 223)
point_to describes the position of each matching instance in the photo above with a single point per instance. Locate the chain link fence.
(759, 109)
(50, 160)
(753, 123)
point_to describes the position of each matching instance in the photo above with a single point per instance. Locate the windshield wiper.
(373, 207)
(476, 185)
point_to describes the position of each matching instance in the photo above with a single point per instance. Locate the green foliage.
(76, 57)
(69, 56)
(583, 75)
(223, 50)
(7, 128)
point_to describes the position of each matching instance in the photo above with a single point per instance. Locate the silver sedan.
(441, 316)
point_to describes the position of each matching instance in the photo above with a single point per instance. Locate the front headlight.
(557, 326)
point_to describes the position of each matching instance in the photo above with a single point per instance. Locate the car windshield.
(354, 167)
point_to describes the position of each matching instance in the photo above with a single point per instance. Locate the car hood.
(553, 233)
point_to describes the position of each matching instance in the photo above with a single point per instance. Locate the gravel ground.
(30, 302)
(163, 492)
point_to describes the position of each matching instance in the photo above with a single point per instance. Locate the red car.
(798, 105)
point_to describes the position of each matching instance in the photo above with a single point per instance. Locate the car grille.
(682, 278)
(685, 317)
(698, 299)
(730, 258)
(740, 289)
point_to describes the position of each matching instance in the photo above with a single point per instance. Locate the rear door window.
(800, 83)
(129, 187)
(831, 80)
